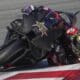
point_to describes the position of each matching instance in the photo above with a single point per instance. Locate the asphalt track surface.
(10, 10)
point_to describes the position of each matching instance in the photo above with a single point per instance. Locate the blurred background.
(10, 10)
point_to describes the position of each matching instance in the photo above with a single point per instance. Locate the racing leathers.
(48, 19)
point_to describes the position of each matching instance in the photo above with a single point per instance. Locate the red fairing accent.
(72, 31)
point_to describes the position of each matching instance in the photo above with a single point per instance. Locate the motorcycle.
(21, 48)
(74, 36)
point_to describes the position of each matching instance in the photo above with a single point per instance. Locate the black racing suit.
(40, 15)
(64, 39)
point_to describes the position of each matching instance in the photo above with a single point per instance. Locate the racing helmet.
(52, 19)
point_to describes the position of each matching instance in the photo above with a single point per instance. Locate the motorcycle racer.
(47, 19)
